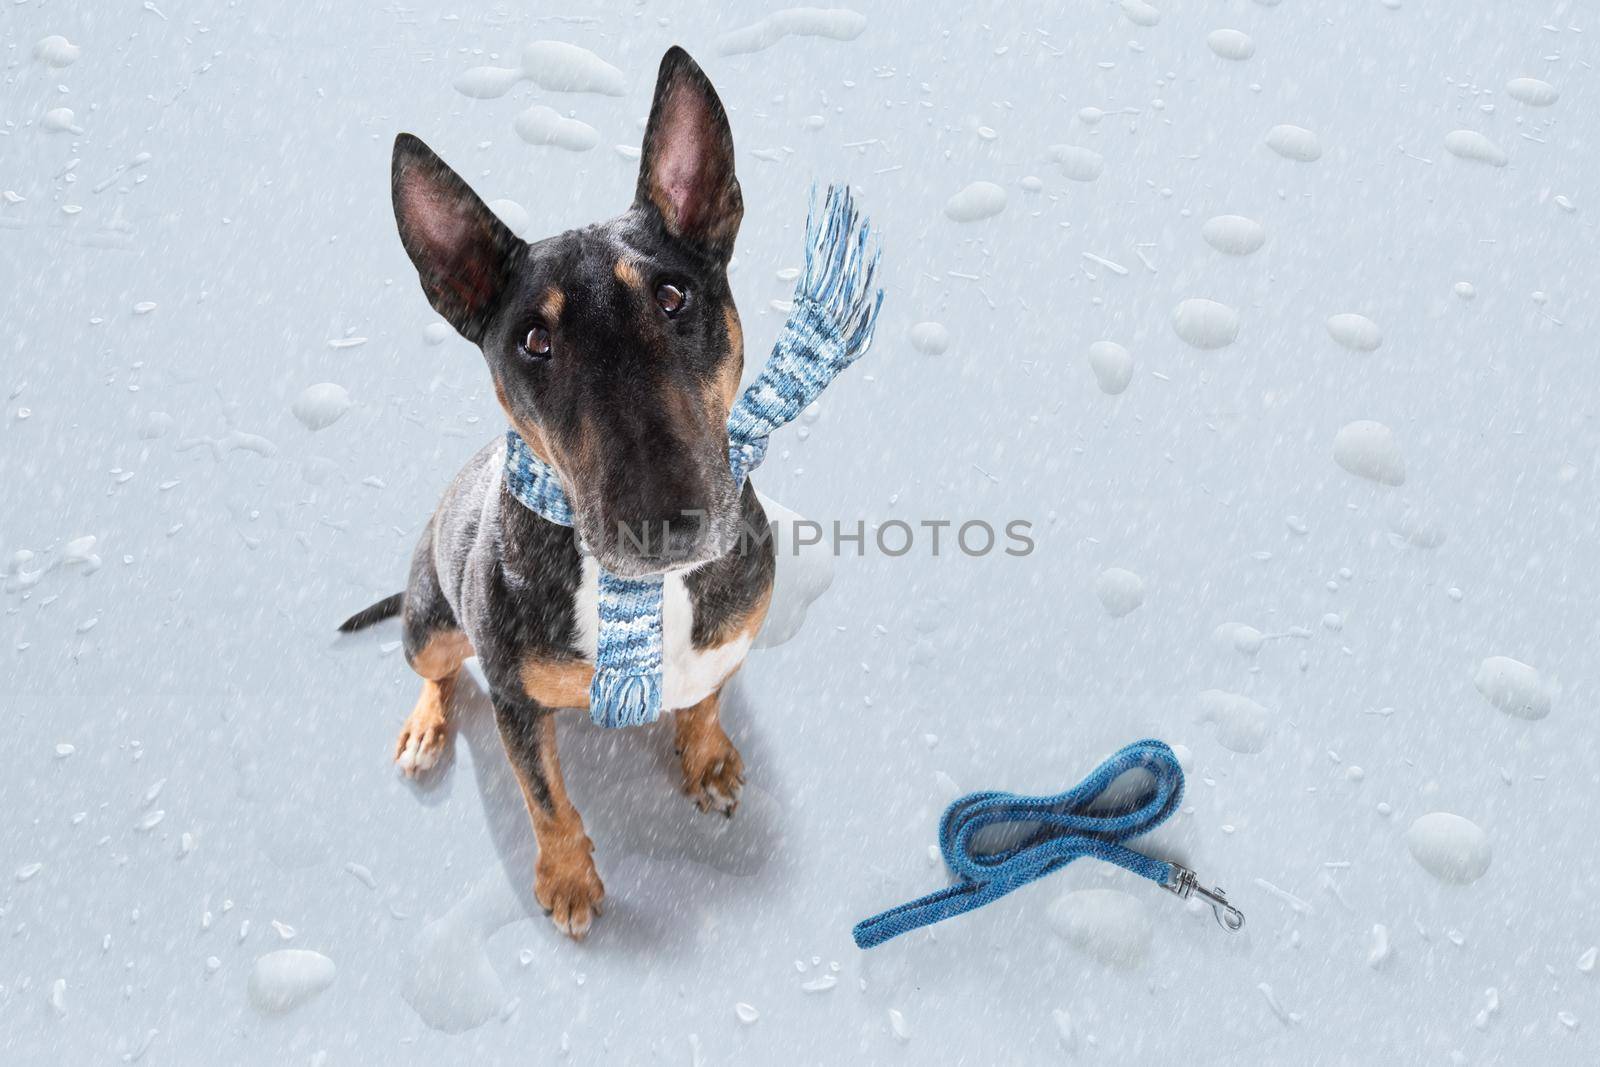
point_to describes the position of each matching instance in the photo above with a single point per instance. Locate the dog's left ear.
(686, 164)
(462, 251)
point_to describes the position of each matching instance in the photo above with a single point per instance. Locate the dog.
(616, 352)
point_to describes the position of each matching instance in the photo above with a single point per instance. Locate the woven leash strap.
(1054, 831)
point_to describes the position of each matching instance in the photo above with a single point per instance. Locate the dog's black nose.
(664, 510)
(670, 538)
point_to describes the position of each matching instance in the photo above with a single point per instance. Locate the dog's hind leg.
(422, 738)
(565, 881)
(436, 648)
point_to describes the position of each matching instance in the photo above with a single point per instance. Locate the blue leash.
(1066, 830)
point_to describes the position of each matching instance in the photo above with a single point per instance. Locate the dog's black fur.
(629, 404)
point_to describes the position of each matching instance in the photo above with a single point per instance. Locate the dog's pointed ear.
(686, 163)
(463, 253)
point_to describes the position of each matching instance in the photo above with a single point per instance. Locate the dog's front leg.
(565, 881)
(713, 772)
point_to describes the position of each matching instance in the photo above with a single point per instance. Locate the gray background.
(261, 229)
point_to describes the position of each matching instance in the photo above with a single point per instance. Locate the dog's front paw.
(713, 772)
(421, 740)
(568, 888)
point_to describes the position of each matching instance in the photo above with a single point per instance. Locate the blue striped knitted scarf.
(835, 309)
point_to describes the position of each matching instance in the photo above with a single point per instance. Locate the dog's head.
(615, 349)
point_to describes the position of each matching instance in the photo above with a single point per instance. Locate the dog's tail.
(387, 608)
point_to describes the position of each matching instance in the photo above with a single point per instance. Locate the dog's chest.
(688, 674)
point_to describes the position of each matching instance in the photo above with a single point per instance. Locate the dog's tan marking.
(713, 772)
(551, 304)
(427, 728)
(742, 627)
(725, 384)
(443, 655)
(557, 682)
(526, 430)
(565, 881)
(627, 272)
(730, 319)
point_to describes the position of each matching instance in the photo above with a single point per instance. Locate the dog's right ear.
(686, 169)
(463, 253)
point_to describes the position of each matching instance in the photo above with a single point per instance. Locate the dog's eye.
(670, 298)
(537, 343)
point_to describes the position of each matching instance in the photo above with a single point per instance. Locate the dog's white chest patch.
(688, 674)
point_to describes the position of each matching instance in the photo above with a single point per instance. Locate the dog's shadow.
(654, 848)
(627, 786)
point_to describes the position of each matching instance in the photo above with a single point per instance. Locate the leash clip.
(1184, 883)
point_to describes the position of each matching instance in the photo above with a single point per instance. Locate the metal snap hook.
(1184, 883)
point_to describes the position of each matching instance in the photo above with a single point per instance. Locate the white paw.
(715, 782)
(415, 759)
(569, 890)
(420, 746)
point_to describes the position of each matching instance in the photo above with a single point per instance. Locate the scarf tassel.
(619, 698)
(840, 270)
(836, 304)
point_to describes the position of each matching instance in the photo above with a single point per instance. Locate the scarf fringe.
(840, 270)
(618, 698)
(836, 304)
